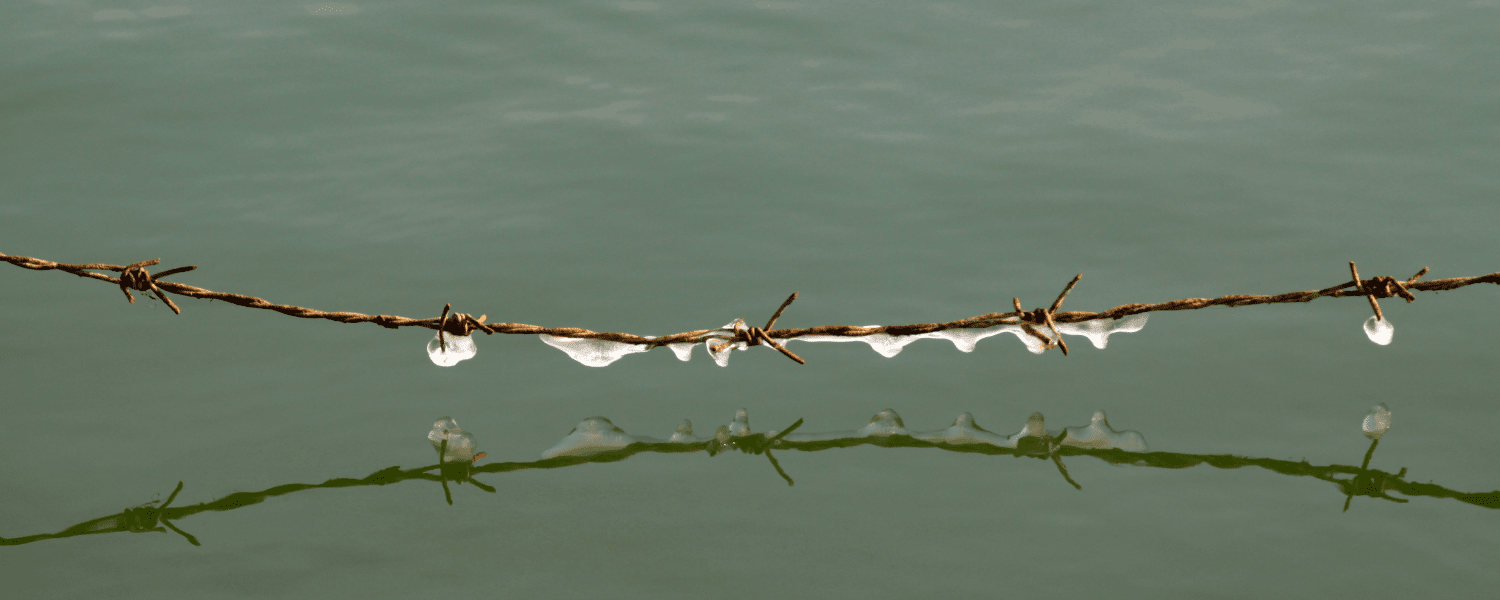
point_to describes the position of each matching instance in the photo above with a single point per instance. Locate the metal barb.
(1369, 294)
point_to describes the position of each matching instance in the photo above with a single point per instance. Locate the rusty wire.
(135, 277)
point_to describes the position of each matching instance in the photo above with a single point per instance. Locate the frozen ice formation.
(599, 353)
(963, 431)
(1098, 435)
(1098, 330)
(966, 339)
(592, 436)
(593, 352)
(885, 344)
(885, 422)
(723, 337)
(460, 443)
(1380, 331)
(684, 352)
(460, 348)
(1377, 421)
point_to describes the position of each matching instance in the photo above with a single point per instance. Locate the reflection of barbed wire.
(135, 277)
(1351, 480)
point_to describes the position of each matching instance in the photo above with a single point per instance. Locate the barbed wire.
(135, 277)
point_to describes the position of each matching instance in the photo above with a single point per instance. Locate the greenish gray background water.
(655, 167)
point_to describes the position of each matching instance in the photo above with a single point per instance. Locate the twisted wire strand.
(136, 277)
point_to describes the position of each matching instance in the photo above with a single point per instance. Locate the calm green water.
(660, 166)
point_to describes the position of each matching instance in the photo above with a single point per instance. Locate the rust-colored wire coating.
(136, 277)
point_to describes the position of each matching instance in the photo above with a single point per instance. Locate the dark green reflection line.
(1351, 480)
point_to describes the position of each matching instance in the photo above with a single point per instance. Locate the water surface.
(663, 166)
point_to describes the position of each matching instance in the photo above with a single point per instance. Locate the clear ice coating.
(1377, 421)
(1380, 331)
(885, 422)
(592, 436)
(460, 443)
(592, 352)
(1099, 435)
(1098, 331)
(460, 348)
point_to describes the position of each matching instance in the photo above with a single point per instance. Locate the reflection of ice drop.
(460, 443)
(591, 436)
(592, 352)
(963, 431)
(684, 434)
(1036, 426)
(1099, 435)
(1377, 422)
(885, 422)
(460, 348)
(740, 426)
(1379, 330)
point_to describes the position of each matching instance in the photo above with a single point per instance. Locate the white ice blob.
(884, 423)
(592, 352)
(1098, 331)
(592, 436)
(460, 348)
(721, 357)
(1099, 435)
(963, 431)
(684, 434)
(966, 339)
(1377, 421)
(460, 443)
(726, 338)
(1034, 345)
(885, 344)
(684, 352)
(1380, 331)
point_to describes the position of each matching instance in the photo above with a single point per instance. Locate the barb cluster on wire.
(136, 277)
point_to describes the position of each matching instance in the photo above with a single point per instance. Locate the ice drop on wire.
(460, 348)
(593, 352)
(1379, 331)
